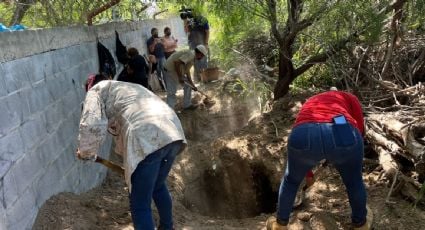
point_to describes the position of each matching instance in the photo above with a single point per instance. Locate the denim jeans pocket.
(299, 138)
(344, 136)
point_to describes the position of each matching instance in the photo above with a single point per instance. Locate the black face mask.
(155, 36)
(167, 33)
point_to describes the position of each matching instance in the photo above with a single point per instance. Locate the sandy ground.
(228, 179)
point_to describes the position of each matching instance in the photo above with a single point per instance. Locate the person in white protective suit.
(147, 133)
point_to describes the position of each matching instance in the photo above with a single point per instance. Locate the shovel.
(207, 100)
(109, 164)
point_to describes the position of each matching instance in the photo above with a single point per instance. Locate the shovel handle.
(111, 165)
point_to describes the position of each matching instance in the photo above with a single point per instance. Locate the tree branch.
(323, 56)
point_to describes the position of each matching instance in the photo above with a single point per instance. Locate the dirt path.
(228, 178)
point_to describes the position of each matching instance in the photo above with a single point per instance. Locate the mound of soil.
(228, 178)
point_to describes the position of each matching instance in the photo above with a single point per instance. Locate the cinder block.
(49, 150)
(19, 44)
(71, 180)
(66, 159)
(12, 146)
(47, 185)
(19, 214)
(32, 132)
(10, 190)
(60, 37)
(68, 131)
(25, 170)
(2, 216)
(3, 90)
(18, 105)
(71, 102)
(39, 97)
(7, 121)
(41, 67)
(5, 165)
(53, 116)
(15, 76)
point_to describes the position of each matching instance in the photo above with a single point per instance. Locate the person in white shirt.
(147, 133)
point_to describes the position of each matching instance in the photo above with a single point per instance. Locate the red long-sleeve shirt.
(321, 108)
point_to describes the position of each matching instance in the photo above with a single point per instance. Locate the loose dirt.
(228, 178)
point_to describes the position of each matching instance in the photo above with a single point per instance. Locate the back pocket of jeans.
(299, 138)
(343, 136)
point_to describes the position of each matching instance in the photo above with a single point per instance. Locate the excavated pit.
(231, 187)
(219, 181)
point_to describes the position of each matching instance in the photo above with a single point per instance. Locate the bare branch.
(323, 56)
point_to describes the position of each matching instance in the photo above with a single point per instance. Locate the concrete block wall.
(41, 77)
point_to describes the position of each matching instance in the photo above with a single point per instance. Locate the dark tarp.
(121, 50)
(106, 61)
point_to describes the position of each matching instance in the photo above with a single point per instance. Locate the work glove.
(85, 157)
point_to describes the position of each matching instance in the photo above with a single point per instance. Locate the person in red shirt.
(329, 126)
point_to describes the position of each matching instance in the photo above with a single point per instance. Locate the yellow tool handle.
(111, 165)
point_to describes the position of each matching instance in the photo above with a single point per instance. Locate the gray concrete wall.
(41, 77)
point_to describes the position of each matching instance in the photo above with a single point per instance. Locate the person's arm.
(189, 79)
(178, 66)
(93, 126)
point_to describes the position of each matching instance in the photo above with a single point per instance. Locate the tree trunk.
(20, 10)
(286, 76)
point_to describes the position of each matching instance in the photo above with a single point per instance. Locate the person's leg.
(143, 182)
(187, 96)
(161, 73)
(345, 152)
(198, 66)
(304, 151)
(171, 89)
(161, 195)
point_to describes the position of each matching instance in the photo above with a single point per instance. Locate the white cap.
(202, 49)
(333, 88)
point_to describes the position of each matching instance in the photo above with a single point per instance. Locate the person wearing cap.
(177, 69)
(329, 126)
(147, 133)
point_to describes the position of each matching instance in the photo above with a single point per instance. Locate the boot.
(272, 224)
(369, 220)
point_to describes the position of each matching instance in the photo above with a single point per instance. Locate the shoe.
(369, 220)
(191, 107)
(272, 224)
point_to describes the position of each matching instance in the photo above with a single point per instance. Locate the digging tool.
(207, 100)
(109, 164)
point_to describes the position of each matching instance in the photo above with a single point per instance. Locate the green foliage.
(252, 89)
(320, 76)
(51, 13)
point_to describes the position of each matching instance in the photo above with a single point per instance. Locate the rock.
(304, 216)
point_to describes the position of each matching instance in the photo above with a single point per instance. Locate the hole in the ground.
(266, 197)
(232, 188)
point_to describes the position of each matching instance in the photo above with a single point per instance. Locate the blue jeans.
(160, 71)
(341, 145)
(198, 66)
(149, 181)
(172, 90)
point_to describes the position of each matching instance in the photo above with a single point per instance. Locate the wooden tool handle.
(114, 167)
